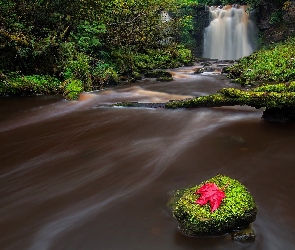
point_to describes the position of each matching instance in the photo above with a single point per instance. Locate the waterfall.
(231, 33)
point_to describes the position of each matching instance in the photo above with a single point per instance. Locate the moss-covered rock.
(237, 209)
(277, 96)
(164, 79)
(245, 235)
(139, 105)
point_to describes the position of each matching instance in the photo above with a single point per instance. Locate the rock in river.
(217, 206)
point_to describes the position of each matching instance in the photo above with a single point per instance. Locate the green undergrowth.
(236, 211)
(275, 64)
(170, 57)
(17, 85)
(86, 45)
(268, 96)
(80, 72)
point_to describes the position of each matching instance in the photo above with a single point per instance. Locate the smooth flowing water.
(77, 175)
(231, 33)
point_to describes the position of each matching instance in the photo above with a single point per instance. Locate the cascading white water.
(231, 33)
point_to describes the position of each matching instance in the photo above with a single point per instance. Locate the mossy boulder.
(164, 79)
(236, 211)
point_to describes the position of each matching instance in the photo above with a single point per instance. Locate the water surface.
(79, 175)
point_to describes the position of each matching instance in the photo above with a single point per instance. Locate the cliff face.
(276, 21)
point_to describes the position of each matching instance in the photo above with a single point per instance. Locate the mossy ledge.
(277, 98)
(236, 212)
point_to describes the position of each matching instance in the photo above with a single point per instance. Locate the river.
(80, 175)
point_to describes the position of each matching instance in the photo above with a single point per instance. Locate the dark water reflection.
(75, 175)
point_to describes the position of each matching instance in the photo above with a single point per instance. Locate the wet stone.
(140, 105)
(245, 235)
(199, 71)
(164, 79)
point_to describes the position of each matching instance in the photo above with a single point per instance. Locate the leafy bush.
(72, 88)
(29, 85)
(273, 64)
(87, 36)
(170, 57)
(104, 74)
(78, 68)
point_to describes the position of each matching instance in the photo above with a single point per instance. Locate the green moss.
(164, 79)
(268, 96)
(236, 211)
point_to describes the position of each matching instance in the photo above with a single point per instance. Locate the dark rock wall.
(200, 21)
(275, 21)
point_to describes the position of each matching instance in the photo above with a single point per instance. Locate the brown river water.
(78, 175)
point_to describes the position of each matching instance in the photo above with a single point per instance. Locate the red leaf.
(210, 192)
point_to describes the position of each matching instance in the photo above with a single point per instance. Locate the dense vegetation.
(84, 45)
(65, 47)
(274, 64)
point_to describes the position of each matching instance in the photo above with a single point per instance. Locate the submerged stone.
(236, 211)
(164, 79)
(199, 71)
(245, 235)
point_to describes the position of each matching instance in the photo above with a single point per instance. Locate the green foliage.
(91, 41)
(79, 68)
(170, 57)
(274, 64)
(276, 17)
(72, 88)
(236, 211)
(29, 85)
(104, 74)
(87, 36)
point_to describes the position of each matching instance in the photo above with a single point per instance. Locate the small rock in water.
(215, 207)
(164, 79)
(199, 71)
(245, 235)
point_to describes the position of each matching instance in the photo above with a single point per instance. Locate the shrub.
(72, 88)
(104, 74)
(79, 68)
(273, 64)
(29, 85)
